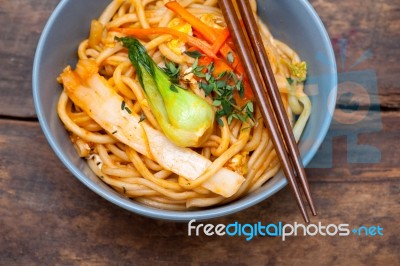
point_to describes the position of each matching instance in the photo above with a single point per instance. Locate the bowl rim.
(198, 215)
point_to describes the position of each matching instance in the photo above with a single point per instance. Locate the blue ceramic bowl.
(292, 21)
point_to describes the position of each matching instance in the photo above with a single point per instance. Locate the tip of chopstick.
(280, 130)
(313, 210)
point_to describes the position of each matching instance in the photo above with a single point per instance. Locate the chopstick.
(273, 92)
(278, 123)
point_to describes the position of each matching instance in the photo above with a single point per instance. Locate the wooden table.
(48, 217)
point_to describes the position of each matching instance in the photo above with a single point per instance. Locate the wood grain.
(366, 26)
(48, 217)
(381, 133)
(22, 22)
(48, 214)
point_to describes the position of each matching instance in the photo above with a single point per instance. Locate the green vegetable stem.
(185, 118)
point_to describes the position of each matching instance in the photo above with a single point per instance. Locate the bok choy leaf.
(185, 118)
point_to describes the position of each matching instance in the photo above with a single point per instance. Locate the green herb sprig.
(223, 88)
(172, 70)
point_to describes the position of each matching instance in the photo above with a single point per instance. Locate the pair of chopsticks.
(267, 95)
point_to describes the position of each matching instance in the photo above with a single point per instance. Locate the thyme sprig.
(223, 88)
(173, 70)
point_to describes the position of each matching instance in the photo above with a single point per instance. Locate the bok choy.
(185, 118)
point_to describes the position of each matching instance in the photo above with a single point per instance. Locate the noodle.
(239, 146)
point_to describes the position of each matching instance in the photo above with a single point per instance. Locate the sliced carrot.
(198, 34)
(220, 66)
(144, 33)
(221, 39)
(248, 92)
(205, 61)
(209, 33)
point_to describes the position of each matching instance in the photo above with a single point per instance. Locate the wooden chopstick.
(252, 71)
(273, 92)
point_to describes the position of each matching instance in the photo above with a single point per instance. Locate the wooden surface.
(48, 217)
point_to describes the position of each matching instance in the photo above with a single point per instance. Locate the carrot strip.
(209, 33)
(220, 66)
(221, 39)
(144, 33)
